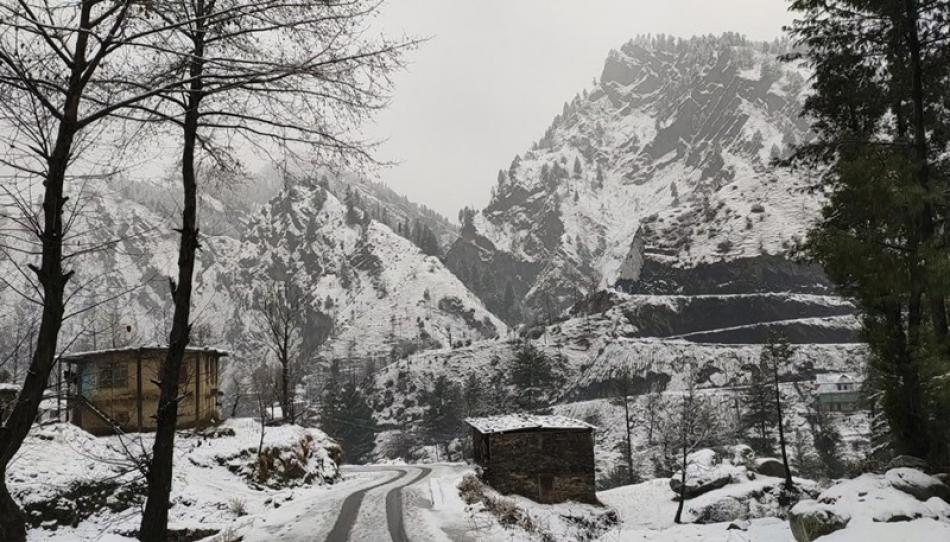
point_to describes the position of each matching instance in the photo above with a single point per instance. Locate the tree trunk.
(286, 396)
(53, 280)
(154, 524)
(913, 435)
(682, 500)
(926, 220)
(789, 484)
(626, 416)
(12, 518)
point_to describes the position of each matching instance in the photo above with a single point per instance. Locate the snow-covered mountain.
(383, 295)
(370, 292)
(656, 179)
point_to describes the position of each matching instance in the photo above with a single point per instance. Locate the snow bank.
(885, 507)
(79, 487)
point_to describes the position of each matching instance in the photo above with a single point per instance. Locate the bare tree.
(262, 384)
(696, 425)
(653, 405)
(778, 351)
(624, 391)
(64, 68)
(280, 321)
(285, 73)
(18, 338)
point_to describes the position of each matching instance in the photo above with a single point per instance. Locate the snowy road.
(372, 504)
(350, 510)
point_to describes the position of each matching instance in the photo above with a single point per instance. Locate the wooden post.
(197, 389)
(138, 389)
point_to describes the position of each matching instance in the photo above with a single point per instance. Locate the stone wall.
(548, 466)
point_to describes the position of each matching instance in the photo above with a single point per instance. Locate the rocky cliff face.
(661, 170)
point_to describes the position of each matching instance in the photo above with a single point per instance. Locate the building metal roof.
(828, 382)
(92, 354)
(521, 422)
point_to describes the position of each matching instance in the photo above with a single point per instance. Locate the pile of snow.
(902, 504)
(79, 487)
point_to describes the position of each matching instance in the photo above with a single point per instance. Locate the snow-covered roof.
(143, 348)
(9, 386)
(828, 383)
(519, 422)
(834, 378)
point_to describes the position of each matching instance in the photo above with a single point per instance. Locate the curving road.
(350, 509)
(394, 515)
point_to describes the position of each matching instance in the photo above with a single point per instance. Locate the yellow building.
(116, 390)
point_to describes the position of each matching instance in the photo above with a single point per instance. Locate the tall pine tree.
(758, 417)
(880, 85)
(535, 375)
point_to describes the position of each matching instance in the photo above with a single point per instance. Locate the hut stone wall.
(545, 465)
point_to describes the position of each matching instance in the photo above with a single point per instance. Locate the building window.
(112, 376)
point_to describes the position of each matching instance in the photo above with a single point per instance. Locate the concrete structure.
(838, 392)
(115, 391)
(549, 459)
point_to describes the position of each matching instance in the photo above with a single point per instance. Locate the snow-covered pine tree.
(758, 416)
(535, 375)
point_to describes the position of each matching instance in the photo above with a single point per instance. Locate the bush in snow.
(299, 463)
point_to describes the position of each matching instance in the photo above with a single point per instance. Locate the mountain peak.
(674, 144)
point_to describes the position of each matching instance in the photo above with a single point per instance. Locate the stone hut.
(115, 390)
(549, 459)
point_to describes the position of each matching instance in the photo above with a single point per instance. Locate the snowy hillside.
(656, 338)
(374, 292)
(380, 291)
(122, 248)
(665, 161)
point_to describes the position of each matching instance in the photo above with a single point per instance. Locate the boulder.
(705, 457)
(921, 486)
(769, 466)
(743, 454)
(811, 519)
(908, 461)
(705, 471)
(697, 485)
(725, 509)
(739, 525)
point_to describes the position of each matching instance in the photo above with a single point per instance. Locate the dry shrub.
(470, 488)
(508, 513)
(237, 506)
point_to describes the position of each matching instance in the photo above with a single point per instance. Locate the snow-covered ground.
(646, 512)
(61, 469)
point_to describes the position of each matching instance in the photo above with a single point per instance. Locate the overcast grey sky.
(496, 72)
